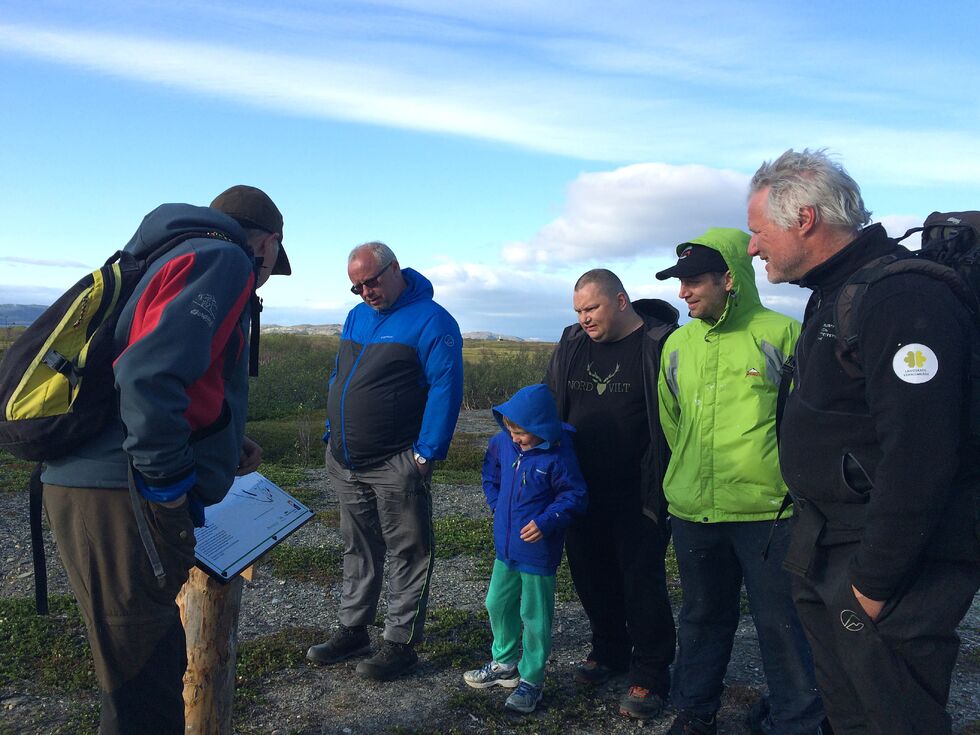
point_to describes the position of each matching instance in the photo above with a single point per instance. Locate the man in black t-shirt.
(604, 378)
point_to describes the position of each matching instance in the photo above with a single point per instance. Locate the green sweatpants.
(515, 599)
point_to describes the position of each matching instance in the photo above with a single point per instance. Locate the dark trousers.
(713, 560)
(892, 675)
(133, 625)
(616, 557)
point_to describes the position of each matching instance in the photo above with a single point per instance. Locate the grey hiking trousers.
(385, 510)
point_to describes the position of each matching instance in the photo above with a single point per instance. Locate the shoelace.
(526, 688)
(639, 692)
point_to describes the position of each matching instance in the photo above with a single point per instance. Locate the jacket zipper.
(517, 491)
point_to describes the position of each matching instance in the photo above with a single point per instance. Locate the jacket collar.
(871, 243)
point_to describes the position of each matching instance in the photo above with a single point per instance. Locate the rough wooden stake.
(209, 611)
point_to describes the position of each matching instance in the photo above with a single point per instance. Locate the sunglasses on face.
(371, 282)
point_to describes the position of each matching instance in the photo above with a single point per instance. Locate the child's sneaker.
(525, 698)
(493, 674)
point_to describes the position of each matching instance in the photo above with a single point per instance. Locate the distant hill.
(325, 329)
(332, 329)
(492, 336)
(19, 315)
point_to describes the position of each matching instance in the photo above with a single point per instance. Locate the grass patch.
(48, 650)
(493, 373)
(320, 564)
(329, 518)
(464, 461)
(286, 476)
(564, 587)
(15, 473)
(969, 660)
(673, 576)
(561, 710)
(461, 536)
(290, 440)
(456, 638)
(259, 657)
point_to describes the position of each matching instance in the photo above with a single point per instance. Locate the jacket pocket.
(854, 480)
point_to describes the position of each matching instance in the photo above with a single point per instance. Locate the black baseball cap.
(252, 208)
(693, 260)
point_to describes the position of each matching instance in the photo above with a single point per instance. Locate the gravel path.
(308, 700)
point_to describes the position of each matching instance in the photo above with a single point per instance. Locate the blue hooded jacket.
(543, 484)
(397, 381)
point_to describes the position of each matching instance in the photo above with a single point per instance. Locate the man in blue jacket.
(182, 381)
(395, 394)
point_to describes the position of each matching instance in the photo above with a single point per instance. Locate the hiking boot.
(592, 672)
(391, 661)
(343, 644)
(525, 698)
(640, 703)
(687, 723)
(493, 674)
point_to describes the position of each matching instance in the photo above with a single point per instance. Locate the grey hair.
(381, 252)
(607, 281)
(810, 179)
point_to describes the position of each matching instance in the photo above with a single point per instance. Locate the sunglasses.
(371, 282)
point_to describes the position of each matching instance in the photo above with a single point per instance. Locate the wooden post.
(209, 611)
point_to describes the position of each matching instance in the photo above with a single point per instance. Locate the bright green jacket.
(717, 388)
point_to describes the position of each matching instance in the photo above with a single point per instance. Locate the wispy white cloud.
(897, 225)
(643, 209)
(28, 294)
(41, 262)
(627, 85)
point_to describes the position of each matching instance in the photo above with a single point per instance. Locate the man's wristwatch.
(420, 459)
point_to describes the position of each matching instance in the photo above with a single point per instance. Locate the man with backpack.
(178, 439)
(877, 450)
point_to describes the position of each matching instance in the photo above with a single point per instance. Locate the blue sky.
(502, 148)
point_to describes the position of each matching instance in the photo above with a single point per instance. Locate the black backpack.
(57, 387)
(950, 253)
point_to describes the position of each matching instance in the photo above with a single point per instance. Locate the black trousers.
(891, 676)
(616, 557)
(133, 625)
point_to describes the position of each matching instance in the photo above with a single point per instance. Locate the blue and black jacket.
(397, 381)
(543, 484)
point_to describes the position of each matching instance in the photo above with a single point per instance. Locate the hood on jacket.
(656, 309)
(533, 409)
(417, 287)
(733, 245)
(170, 220)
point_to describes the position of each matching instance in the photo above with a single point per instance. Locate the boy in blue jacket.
(533, 486)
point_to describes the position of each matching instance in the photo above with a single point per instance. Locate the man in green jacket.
(719, 379)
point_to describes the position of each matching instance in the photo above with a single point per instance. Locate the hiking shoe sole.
(505, 683)
(318, 657)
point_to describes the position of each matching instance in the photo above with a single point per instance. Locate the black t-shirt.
(607, 407)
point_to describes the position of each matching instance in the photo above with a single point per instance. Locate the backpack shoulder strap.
(850, 300)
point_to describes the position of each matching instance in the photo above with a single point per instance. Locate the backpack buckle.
(61, 364)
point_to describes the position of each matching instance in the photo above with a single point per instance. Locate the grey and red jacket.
(659, 320)
(182, 370)
(397, 381)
